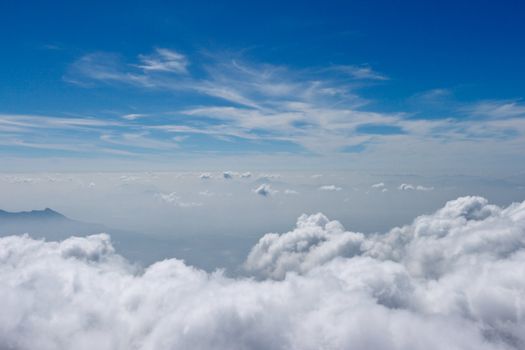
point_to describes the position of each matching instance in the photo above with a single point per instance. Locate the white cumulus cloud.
(408, 187)
(453, 279)
(228, 175)
(264, 190)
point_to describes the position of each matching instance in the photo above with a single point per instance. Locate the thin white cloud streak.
(364, 72)
(497, 109)
(330, 188)
(39, 121)
(68, 145)
(101, 66)
(164, 60)
(142, 140)
(133, 116)
(453, 278)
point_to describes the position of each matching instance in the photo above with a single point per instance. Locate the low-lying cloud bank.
(451, 280)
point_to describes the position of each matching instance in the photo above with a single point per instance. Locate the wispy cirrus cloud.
(103, 67)
(264, 101)
(140, 140)
(497, 109)
(321, 113)
(364, 72)
(164, 60)
(235, 101)
(133, 116)
(25, 121)
(79, 135)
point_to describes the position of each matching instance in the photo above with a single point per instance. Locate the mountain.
(206, 252)
(47, 213)
(45, 223)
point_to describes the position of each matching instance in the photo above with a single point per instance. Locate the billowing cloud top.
(408, 187)
(454, 279)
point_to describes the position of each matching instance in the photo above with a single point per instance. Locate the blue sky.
(370, 85)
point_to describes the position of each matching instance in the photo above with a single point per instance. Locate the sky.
(262, 175)
(397, 87)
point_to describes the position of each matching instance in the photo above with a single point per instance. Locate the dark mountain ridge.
(47, 213)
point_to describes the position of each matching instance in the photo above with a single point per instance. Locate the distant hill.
(47, 213)
(45, 223)
(207, 252)
(51, 225)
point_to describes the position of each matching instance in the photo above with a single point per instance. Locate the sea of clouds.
(454, 279)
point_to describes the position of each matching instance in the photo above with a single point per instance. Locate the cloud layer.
(454, 279)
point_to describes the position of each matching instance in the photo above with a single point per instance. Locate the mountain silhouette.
(47, 213)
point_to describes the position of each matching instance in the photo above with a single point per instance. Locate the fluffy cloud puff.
(228, 175)
(454, 279)
(264, 190)
(408, 187)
